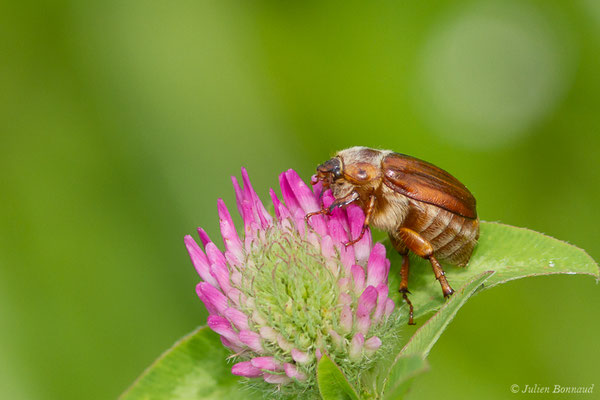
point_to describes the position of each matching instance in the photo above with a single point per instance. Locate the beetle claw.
(448, 293)
(352, 242)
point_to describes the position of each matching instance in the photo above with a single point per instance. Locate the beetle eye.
(337, 174)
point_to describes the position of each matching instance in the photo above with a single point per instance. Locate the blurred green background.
(122, 121)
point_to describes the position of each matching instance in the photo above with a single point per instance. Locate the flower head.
(284, 293)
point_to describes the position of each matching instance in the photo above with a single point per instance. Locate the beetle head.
(329, 172)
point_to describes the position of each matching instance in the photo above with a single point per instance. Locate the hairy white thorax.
(363, 154)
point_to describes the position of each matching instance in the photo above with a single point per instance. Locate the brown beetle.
(423, 208)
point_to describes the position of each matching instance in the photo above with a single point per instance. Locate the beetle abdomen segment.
(452, 236)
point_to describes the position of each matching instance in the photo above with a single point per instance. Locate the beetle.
(423, 208)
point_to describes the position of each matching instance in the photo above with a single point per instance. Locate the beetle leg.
(421, 247)
(404, 287)
(325, 211)
(344, 201)
(440, 275)
(401, 248)
(368, 213)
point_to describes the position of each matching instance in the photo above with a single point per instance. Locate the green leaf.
(194, 368)
(511, 252)
(503, 253)
(402, 374)
(333, 385)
